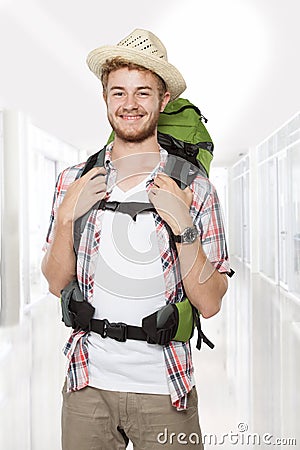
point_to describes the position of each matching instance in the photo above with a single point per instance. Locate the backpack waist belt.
(173, 322)
(119, 331)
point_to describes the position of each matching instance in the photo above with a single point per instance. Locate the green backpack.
(180, 126)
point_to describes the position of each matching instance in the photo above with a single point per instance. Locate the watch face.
(190, 234)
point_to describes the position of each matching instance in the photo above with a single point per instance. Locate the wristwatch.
(188, 236)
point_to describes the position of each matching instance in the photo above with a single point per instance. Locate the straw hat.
(145, 49)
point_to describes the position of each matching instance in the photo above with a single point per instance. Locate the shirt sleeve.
(208, 218)
(63, 181)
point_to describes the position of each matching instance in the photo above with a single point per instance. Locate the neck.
(123, 148)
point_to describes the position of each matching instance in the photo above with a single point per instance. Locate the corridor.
(241, 66)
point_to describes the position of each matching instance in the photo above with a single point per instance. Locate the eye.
(118, 94)
(143, 93)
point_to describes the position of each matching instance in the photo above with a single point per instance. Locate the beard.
(133, 133)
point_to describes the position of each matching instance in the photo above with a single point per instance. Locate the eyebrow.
(140, 88)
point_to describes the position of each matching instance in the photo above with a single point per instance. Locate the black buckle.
(111, 206)
(117, 331)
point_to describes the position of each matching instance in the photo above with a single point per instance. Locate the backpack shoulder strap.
(182, 171)
(182, 164)
(97, 159)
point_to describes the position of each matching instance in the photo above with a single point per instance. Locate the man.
(125, 266)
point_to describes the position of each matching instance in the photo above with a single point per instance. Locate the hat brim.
(172, 77)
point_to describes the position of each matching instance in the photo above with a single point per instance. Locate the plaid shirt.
(206, 213)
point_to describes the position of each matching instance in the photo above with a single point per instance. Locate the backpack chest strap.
(131, 208)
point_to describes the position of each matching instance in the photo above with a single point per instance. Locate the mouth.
(131, 117)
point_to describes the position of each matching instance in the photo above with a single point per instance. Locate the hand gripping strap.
(96, 160)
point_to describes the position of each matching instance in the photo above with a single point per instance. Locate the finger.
(163, 177)
(83, 181)
(164, 180)
(153, 191)
(98, 180)
(158, 181)
(98, 196)
(99, 189)
(99, 172)
(92, 173)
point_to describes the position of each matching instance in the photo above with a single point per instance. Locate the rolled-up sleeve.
(64, 179)
(208, 218)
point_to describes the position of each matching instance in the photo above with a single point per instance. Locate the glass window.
(246, 218)
(39, 201)
(293, 128)
(294, 155)
(262, 151)
(282, 138)
(47, 156)
(237, 218)
(283, 202)
(267, 217)
(240, 214)
(1, 188)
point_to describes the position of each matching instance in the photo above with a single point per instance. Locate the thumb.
(187, 189)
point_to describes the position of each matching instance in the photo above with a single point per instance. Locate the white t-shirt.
(129, 285)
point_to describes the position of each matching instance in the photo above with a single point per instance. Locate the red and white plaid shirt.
(206, 213)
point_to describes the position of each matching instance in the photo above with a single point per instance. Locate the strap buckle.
(117, 331)
(111, 206)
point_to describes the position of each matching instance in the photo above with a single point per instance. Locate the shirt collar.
(163, 159)
(107, 157)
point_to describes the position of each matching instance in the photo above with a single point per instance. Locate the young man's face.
(133, 104)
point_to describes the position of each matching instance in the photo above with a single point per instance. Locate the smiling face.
(134, 103)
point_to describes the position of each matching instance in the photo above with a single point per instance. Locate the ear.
(104, 96)
(165, 100)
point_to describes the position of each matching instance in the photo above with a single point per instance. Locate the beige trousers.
(95, 419)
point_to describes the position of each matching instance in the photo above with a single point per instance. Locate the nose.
(130, 102)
